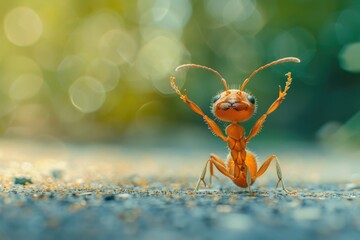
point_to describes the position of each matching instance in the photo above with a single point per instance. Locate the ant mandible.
(236, 105)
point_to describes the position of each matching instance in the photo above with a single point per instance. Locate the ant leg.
(212, 125)
(219, 161)
(202, 176)
(258, 125)
(219, 164)
(265, 166)
(248, 180)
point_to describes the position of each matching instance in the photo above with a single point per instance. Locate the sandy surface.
(104, 192)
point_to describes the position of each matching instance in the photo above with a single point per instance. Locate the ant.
(236, 105)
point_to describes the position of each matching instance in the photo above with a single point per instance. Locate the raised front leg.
(212, 125)
(265, 166)
(257, 127)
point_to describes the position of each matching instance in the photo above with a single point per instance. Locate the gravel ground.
(136, 209)
(102, 193)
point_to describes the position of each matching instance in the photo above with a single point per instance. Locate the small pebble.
(109, 197)
(57, 174)
(82, 194)
(22, 180)
(124, 196)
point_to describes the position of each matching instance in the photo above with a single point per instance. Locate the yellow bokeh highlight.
(25, 86)
(158, 58)
(118, 46)
(87, 94)
(23, 26)
(105, 71)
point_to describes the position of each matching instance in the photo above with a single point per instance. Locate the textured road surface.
(101, 192)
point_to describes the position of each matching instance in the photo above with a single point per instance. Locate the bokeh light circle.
(25, 86)
(87, 94)
(232, 11)
(105, 71)
(70, 68)
(157, 60)
(167, 15)
(284, 44)
(350, 57)
(23, 26)
(21, 77)
(118, 46)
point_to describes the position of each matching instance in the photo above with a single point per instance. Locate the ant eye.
(251, 99)
(214, 99)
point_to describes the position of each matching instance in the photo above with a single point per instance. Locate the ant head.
(233, 106)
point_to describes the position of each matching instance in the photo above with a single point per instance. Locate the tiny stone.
(124, 196)
(82, 194)
(57, 174)
(109, 197)
(22, 180)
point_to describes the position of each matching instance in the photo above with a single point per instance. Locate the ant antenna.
(282, 60)
(185, 66)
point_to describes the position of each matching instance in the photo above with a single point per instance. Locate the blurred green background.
(98, 70)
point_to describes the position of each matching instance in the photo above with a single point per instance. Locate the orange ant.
(236, 105)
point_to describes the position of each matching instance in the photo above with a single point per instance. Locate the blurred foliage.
(99, 69)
